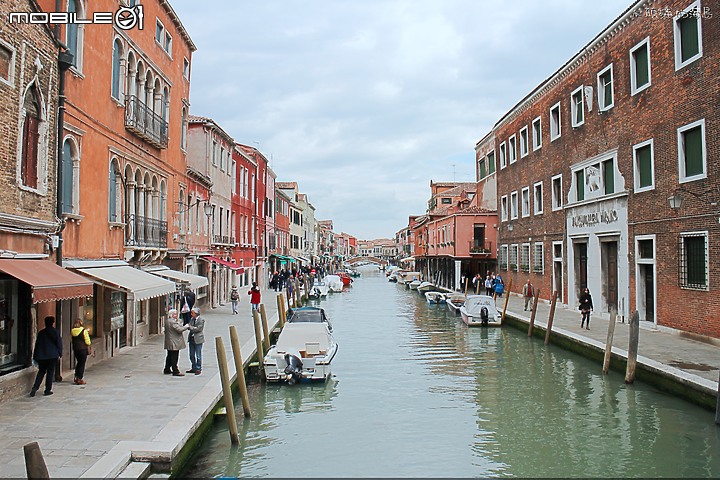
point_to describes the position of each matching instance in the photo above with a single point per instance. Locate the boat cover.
(294, 336)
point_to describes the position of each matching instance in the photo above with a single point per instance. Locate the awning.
(408, 259)
(141, 284)
(195, 281)
(220, 261)
(303, 259)
(49, 282)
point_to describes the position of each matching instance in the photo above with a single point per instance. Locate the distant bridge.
(355, 261)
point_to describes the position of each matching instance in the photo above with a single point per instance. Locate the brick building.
(608, 171)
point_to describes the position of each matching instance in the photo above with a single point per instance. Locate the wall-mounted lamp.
(510, 227)
(208, 208)
(675, 201)
(709, 197)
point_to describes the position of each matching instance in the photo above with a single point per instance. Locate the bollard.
(466, 286)
(237, 355)
(263, 317)
(634, 324)
(550, 317)
(227, 394)
(34, 461)
(532, 314)
(507, 298)
(609, 342)
(258, 337)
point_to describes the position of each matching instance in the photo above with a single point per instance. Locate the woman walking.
(585, 307)
(81, 349)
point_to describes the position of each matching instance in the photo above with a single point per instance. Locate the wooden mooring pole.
(34, 461)
(634, 324)
(550, 317)
(227, 393)
(266, 332)
(507, 298)
(532, 314)
(237, 356)
(258, 337)
(609, 341)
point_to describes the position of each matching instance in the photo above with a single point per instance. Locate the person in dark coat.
(586, 306)
(188, 297)
(174, 342)
(48, 349)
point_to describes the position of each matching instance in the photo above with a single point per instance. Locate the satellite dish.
(588, 90)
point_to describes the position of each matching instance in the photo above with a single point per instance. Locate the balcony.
(145, 232)
(145, 123)
(480, 247)
(223, 241)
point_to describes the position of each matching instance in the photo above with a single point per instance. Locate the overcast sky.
(363, 102)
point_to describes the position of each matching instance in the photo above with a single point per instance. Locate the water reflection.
(419, 394)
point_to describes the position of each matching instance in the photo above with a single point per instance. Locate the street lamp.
(675, 201)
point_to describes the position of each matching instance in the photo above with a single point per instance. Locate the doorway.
(557, 271)
(609, 252)
(580, 254)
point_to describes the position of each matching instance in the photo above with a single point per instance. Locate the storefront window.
(117, 310)
(8, 323)
(87, 313)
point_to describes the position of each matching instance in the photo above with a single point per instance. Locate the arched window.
(113, 189)
(31, 139)
(165, 104)
(67, 177)
(183, 209)
(116, 58)
(183, 130)
(72, 35)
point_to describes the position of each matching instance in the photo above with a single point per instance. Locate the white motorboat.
(454, 301)
(303, 353)
(308, 315)
(319, 289)
(407, 277)
(425, 287)
(480, 310)
(414, 284)
(433, 297)
(334, 283)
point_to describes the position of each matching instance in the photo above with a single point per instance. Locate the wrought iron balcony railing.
(145, 232)
(223, 240)
(145, 123)
(480, 247)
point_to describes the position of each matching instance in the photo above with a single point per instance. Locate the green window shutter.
(695, 258)
(642, 76)
(580, 182)
(482, 169)
(689, 44)
(644, 166)
(491, 163)
(609, 177)
(607, 87)
(693, 150)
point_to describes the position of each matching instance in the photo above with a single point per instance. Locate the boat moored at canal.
(435, 297)
(480, 310)
(303, 353)
(454, 301)
(334, 283)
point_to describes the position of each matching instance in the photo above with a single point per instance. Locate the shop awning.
(49, 282)
(195, 281)
(303, 259)
(141, 284)
(225, 263)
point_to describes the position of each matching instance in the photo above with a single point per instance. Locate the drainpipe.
(65, 61)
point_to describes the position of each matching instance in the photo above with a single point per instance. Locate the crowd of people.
(279, 279)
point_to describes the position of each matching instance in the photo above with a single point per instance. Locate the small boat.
(352, 272)
(334, 283)
(345, 278)
(407, 277)
(308, 315)
(425, 287)
(319, 289)
(454, 301)
(414, 284)
(435, 297)
(303, 353)
(480, 310)
(392, 278)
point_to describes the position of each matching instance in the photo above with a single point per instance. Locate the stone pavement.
(127, 405)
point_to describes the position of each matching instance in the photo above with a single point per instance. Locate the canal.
(415, 393)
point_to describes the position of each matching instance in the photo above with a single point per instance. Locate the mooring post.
(266, 332)
(34, 461)
(227, 393)
(609, 342)
(237, 356)
(258, 337)
(634, 324)
(507, 299)
(532, 314)
(717, 405)
(550, 317)
(466, 286)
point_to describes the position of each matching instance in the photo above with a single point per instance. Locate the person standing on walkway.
(488, 285)
(586, 306)
(196, 338)
(234, 297)
(188, 299)
(498, 285)
(48, 350)
(81, 349)
(174, 342)
(528, 293)
(254, 293)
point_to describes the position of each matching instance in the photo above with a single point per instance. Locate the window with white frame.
(503, 258)
(688, 35)
(222, 158)
(162, 37)
(555, 126)
(524, 150)
(537, 133)
(74, 33)
(512, 151)
(606, 98)
(595, 178)
(117, 54)
(491, 162)
(214, 153)
(7, 63)
(538, 258)
(577, 107)
(504, 208)
(694, 260)
(524, 258)
(640, 72)
(644, 166)
(557, 201)
(503, 156)
(514, 205)
(526, 201)
(538, 198)
(691, 151)
(513, 258)
(186, 68)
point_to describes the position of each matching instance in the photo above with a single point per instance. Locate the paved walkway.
(127, 404)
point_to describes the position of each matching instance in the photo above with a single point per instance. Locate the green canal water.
(416, 393)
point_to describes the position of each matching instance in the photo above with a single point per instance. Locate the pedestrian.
(234, 297)
(586, 306)
(254, 293)
(528, 293)
(477, 282)
(187, 303)
(174, 342)
(81, 348)
(275, 282)
(196, 338)
(48, 350)
(498, 286)
(488, 285)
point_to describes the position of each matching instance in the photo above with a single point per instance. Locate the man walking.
(48, 350)
(196, 338)
(528, 293)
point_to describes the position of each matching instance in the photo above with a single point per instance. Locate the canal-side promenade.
(129, 408)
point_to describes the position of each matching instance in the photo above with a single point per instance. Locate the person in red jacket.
(254, 293)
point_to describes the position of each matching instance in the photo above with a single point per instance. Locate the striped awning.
(140, 284)
(195, 281)
(49, 281)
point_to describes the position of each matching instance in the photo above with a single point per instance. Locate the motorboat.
(319, 289)
(303, 353)
(454, 301)
(334, 283)
(352, 272)
(308, 315)
(480, 310)
(434, 297)
(407, 277)
(345, 278)
(393, 277)
(425, 287)
(414, 284)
